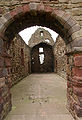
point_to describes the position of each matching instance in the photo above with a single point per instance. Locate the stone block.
(77, 91)
(3, 20)
(77, 34)
(76, 1)
(25, 8)
(58, 13)
(40, 7)
(63, 1)
(80, 22)
(2, 82)
(77, 42)
(66, 16)
(76, 11)
(8, 16)
(71, 22)
(48, 9)
(19, 10)
(13, 13)
(77, 71)
(77, 81)
(33, 6)
(73, 29)
(78, 60)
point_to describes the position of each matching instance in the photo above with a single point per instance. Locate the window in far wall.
(40, 49)
(41, 33)
(41, 57)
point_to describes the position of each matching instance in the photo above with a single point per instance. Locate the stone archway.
(59, 21)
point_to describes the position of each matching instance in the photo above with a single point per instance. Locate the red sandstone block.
(77, 81)
(26, 8)
(77, 91)
(78, 110)
(19, 10)
(69, 84)
(77, 84)
(13, 13)
(48, 9)
(16, 12)
(77, 72)
(78, 60)
(40, 7)
(80, 100)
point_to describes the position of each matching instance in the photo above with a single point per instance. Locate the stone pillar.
(74, 84)
(5, 81)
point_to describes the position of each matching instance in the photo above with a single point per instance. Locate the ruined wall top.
(40, 35)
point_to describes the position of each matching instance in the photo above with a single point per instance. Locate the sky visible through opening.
(27, 33)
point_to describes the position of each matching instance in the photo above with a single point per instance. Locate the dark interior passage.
(42, 58)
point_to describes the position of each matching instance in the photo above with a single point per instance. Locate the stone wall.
(60, 57)
(40, 35)
(73, 7)
(47, 65)
(20, 59)
(41, 39)
(47, 13)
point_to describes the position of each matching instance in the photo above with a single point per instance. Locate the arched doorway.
(42, 58)
(59, 21)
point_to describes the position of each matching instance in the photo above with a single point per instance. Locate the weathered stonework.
(41, 39)
(38, 38)
(73, 7)
(20, 59)
(17, 15)
(60, 57)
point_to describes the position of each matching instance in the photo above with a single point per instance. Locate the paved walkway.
(39, 97)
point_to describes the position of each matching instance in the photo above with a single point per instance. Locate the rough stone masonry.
(62, 16)
(20, 59)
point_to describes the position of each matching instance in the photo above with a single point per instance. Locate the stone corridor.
(39, 97)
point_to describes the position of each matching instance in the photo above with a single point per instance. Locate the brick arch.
(59, 21)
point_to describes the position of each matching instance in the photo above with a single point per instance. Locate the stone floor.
(40, 97)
